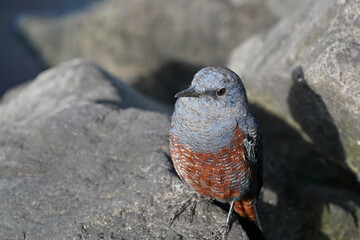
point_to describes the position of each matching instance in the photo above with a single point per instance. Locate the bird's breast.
(223, 175)
(206, 147)
(201, 129)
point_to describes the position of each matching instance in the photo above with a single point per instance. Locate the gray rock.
(78, 162)
(68, 82)
(138, 37)
(306, 70)
(74, 166)
(303, 197)
(282, 8)
(335, 219)
(87, 171)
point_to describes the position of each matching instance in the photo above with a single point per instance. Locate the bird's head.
(217, 87)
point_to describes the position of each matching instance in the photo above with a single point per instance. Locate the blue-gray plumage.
(207, 122)
(215, 141)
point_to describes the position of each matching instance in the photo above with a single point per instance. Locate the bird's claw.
(222, 233)
(192, 210)
(183, 205)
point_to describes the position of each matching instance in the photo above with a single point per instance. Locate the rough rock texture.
(71, 81)
(303, 197)
(84, 164)
(85, 171)
(306, 70)
(78, 166)
(77, 161)
(134, 37)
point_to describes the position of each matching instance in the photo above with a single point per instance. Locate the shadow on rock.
(129, 97)
(297, 178)
(299, 183)
(287, 208)
(168, 80)
(310, 111)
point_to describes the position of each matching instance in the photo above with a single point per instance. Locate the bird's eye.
(221, 92)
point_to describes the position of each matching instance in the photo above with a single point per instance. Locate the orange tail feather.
(246, 209)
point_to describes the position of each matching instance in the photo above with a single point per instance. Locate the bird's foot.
(219, 235)
(183, 205)
(222, 233)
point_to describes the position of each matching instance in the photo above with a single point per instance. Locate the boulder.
(71, 81)
(138, 39)
(306, 71)
(83, 157)
(86, 171)
(79, 161)
(282, 8)
(303, 197)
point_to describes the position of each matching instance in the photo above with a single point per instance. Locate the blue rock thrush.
(216, 144)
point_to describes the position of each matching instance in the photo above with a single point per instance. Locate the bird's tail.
(246, 208)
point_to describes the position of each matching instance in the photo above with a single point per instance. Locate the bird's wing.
(252, 145)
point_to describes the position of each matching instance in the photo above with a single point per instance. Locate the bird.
(215, 143)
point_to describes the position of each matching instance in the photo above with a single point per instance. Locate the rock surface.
(282, 8)
(85, 171)
(302, 195)
(75, 165)
(85, 164)
(131, 38)
(306, 70)
(74, 80)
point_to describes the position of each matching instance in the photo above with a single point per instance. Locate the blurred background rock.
(19, 61)
(299, 60)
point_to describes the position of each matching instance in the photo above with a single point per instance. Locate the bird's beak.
(190, 92)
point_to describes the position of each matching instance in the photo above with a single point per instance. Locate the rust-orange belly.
(222, 175)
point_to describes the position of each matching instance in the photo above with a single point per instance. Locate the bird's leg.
(192, 207)
(183, 205)
(222, 234)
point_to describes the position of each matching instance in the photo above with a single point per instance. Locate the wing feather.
(253, 153)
